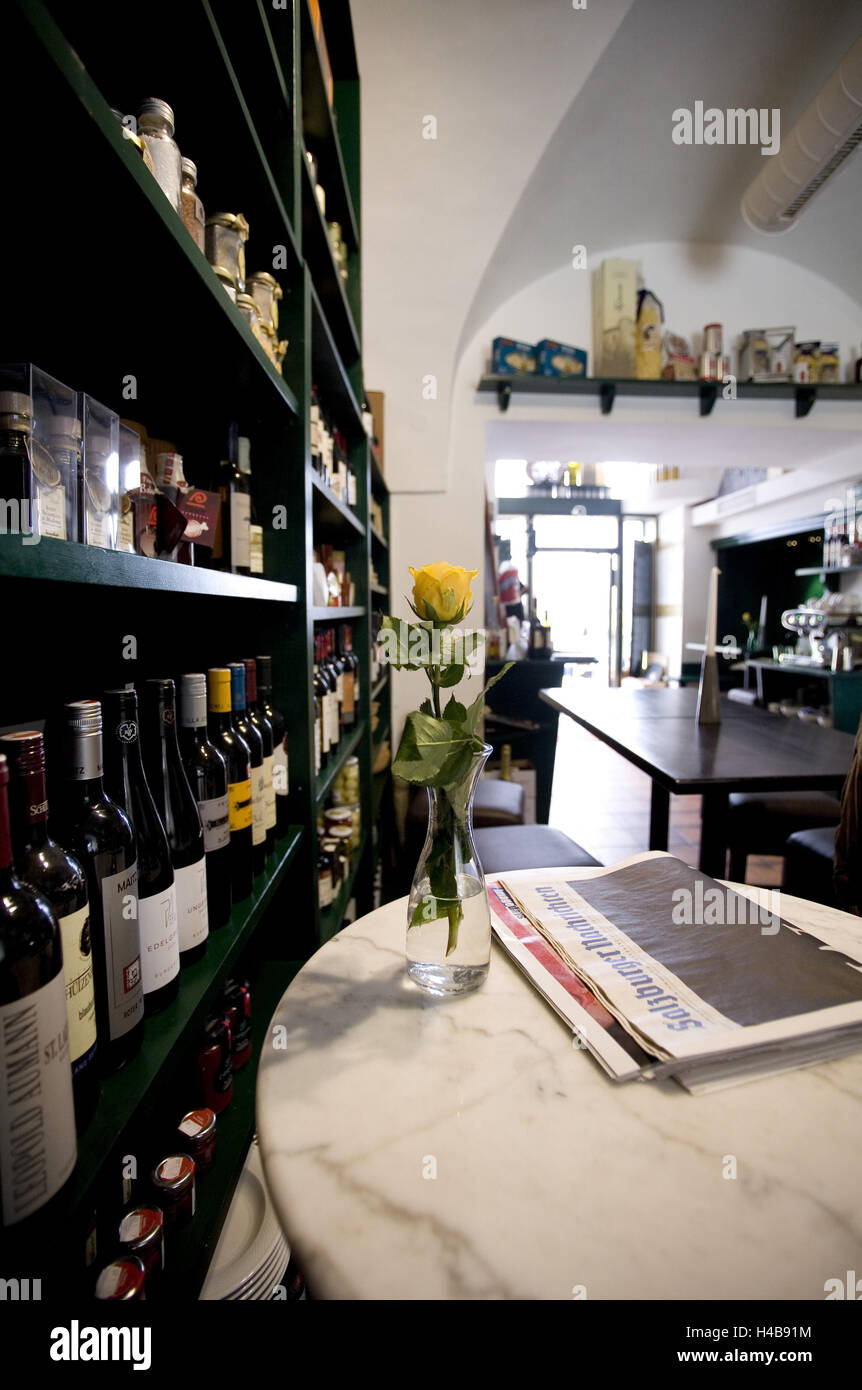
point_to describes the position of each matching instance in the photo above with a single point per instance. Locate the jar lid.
(66, 427)
(351, 762)
(245, 301)
(263, 277)
(141, 1227)
(154, 109)
(337, 813)
(340, 833)
(189, 167)
(198, 1124)
(122, 1280)
(234, 220)
(225, 275)
(328, 845)
(174, 1173)
(15, 403)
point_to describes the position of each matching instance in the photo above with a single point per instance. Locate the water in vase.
(437, 921)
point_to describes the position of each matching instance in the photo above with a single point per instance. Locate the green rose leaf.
(454, 712)
(433, 752)
(450, 675)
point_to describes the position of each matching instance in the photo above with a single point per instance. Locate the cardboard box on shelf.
(558, 359)
(510, 356)
(375, 403)
(615, 295)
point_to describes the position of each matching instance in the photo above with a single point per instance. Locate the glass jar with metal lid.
(226, 234)
(174, 1181)
(251, 314)
(342, 835)
(226, 281)
(192, 207)
(135, 140)
(337, 816)
(266, 292)
(274, 349)
(122, 1280)
(329, 851)
(345, 788)
(156, 129)
(142, 1234)
(198, 1134)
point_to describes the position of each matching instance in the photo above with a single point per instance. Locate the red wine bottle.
(100, 835)
(59, 877)
(258, 720)
(37, 1107)
(350, 682)
(206, 770)
(280, 779)
(157, 897)
(236, 754)
(246, 730)
(179, 815)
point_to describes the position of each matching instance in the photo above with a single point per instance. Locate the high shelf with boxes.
(136, 314)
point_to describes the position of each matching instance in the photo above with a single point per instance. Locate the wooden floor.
(602, 802)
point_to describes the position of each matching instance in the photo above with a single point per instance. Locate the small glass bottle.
(156, 127)
(192, 207)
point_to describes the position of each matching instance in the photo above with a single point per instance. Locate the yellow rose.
(441, 593)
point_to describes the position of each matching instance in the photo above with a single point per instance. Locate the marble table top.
(418, 1148)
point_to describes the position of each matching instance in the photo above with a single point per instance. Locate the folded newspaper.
(662, 971)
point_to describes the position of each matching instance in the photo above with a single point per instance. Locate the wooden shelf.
(331, 917)
(380, 685)
(336, 615)
(324, 780)
(320, 131)
(328, 371)
(379, 589)
(324, 273)
(377, 538)
(70, 563)
(827, 569)
(706, 393)
(331, 512)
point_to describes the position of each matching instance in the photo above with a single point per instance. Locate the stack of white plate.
(252, 1253)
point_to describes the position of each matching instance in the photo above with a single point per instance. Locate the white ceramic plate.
(249, 1237)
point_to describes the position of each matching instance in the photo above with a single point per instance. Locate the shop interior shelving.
(119, 302)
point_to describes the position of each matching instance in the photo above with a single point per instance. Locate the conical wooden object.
(708, 703)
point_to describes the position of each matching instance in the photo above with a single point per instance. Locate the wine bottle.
(100, 835)
(280, 771)
(246, 730)
(157, 897)
(178, 813)
(351, 664)
(37, 1133)
(231, 545)
(255, 531)
(338, 667)
(537, 633)
(319, 690)
(331, 668)
(206, 770)
(235, 752)
(58, 876)
(257, 718)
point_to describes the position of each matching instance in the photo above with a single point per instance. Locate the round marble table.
(456, 1149)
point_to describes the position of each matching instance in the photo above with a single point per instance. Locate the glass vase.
(448, 917)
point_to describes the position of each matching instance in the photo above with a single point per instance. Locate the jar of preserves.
(330, 848)
(174, 1181)
(122, 1280)
(214, 1067)
(342, 836)
(266, 292)
(226, 234)
(237, 1009)
(197, 1132)
(156, 128)
(192, 207)
(336, 816)
(142, 1234)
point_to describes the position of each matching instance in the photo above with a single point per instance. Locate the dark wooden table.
(750, 750)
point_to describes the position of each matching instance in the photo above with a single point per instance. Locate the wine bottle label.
(122, 951)
(37, 1136)
(215, 819)
(258, 805)
(332, 718)
(126, 527)
(239, 804)
(339, 687)
(318, 742)
(80, 995)
(160, 950)
(255, 549)
(269, 792)
(192, 914)
(52, 511)
(348, 700)
(538, 638)
(240, 515)
(280, 777)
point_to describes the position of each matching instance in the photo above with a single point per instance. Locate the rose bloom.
(441, 593)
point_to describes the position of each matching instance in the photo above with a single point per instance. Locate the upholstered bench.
(760, 822)
(496, 803)
(528, 847)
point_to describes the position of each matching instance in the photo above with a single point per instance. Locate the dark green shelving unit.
(130, 296)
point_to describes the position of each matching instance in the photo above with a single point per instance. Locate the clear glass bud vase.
(448, 918)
